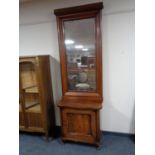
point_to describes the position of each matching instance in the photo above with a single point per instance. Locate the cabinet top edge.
(33, 56)
(80, 8)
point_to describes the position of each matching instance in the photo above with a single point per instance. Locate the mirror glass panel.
(81, 55)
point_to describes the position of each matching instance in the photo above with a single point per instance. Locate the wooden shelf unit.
(36, 107)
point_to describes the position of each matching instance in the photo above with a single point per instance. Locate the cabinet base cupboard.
(36, 107)
(80, 123)
(79, 35)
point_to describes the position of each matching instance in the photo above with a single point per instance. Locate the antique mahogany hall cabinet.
(79, 35)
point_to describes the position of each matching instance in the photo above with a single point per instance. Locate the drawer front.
(79, 125)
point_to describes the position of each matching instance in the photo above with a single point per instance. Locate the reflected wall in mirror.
(81, 54)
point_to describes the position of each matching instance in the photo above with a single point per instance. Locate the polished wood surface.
(80, 110)
(36, 108)
(76, 9)
(79, 104)
(80, 122)
(93, 13)
(79, 125)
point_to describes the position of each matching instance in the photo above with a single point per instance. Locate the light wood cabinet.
(36, 107)
(79, 35)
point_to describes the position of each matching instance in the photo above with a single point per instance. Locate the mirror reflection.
(81, 56)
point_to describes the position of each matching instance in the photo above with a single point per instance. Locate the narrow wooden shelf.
(28, 105)
(29, 86)
(35, 109)
(31, 89)
(31, 104)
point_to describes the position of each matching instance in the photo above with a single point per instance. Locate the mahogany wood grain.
(81, 8)
(80, 110)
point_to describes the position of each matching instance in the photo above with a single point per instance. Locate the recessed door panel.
(79, 124)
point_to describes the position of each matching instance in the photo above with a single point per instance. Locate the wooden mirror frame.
(76, 13)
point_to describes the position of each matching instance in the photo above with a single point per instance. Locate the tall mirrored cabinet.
(79, 35)
(36, 107)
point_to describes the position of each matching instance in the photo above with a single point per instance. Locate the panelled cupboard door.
(79, 125)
